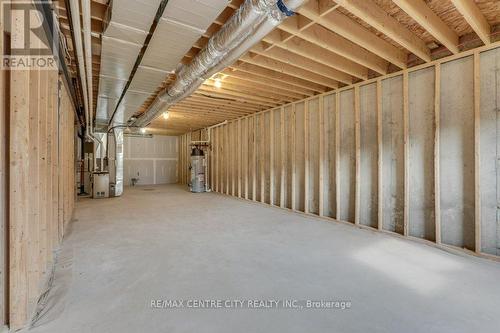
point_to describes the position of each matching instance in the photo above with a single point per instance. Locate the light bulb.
(143, 130)
(218, 83)
(166, 115)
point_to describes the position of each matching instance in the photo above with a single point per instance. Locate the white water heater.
(197, 184)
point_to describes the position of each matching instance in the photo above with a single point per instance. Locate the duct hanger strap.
(284, 9)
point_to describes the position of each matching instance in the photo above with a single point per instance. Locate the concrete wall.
(414, 153)
(151, 160)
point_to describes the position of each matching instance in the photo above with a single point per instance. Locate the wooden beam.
(351, 30)
(473, 15)
(278, 74)
(378, 18)
(420, 12)
(287, 68)
(330, 41)
(311, 51)
(269, 82)
(298, 60)
(251, 99)
(261, 86)
(259, 91)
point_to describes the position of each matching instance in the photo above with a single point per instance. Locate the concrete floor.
(165, 243)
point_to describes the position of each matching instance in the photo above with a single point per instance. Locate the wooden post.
(437, 188)
(19, 187)
(406, 142)
(34, 193)
(306, 156)
(283, 157)
(227, 162)
(294, 157)
(55, 164)
(211, 158)
(215, 149)
(321, 186)
(262, 158)
(380, 205)
(271, 157)
(234, 157)
(50, 162)
(254, 162)
(357, 124)
(337, 155)
(246, 151)
(43, 169)
(239, 152)
(477, 152)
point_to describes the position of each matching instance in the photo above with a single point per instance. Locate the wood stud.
(267, 169)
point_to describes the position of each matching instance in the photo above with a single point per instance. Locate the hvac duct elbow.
(250, 23)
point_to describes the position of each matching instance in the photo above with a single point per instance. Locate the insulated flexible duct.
(249, 24)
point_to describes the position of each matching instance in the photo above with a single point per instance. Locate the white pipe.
(88, 53)
(77, 26)
(87, 42)
(251, 22)
(75, 18)
(208, 133)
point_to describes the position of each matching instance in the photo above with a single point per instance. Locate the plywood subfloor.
(165, 243)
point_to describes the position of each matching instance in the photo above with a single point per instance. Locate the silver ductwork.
(248, 25)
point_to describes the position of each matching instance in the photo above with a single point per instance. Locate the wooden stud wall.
(42, 183)
(393, 154)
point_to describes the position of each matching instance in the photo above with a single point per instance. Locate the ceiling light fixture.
(143, 130)
(218, 83)
(166, 115)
